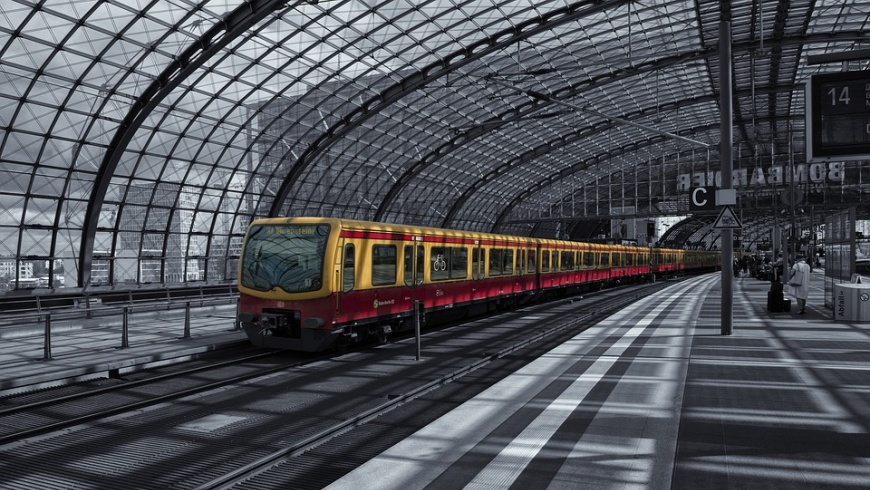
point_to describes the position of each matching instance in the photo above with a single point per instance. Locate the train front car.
(286, 291)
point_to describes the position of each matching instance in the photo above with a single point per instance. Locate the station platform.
(652, 397)
(656, 397)
(94, 348)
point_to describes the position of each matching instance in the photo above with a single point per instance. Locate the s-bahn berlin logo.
(385, 302)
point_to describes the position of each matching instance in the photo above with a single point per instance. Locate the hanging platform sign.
(703, 199)
(838, 119)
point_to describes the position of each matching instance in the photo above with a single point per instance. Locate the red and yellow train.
(310, 283)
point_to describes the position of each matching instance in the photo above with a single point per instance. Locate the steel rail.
(607, 306)
(95, 416)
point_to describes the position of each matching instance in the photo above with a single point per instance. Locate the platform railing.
(46, 315)
(43, 301)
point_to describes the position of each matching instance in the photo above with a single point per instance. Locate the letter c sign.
(703, 199)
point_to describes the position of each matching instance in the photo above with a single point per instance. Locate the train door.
(348, 274)
(543, 267)
(413, 273)
(478, 272)
(604, 265)
(535, 266)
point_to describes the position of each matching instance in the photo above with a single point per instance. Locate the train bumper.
(309, 340)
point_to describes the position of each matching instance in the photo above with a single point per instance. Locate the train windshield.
(286, 256)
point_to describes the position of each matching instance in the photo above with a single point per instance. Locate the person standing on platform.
(799, 280)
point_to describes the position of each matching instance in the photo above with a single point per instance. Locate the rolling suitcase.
(775, 298)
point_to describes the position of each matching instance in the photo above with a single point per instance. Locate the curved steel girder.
(524, 109)
(693, 224)
(209, 44)
(652, 140)
(637, 70)
(434, 71)
(593, 161)
(550, 147)
(635, 146)
(566, 140)
(795, 40)
(446, 148)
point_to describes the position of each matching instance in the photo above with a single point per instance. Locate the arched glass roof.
(139, 138)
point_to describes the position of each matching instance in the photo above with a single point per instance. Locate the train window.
(495, 258)
(347, 273)
(448, 263)
(478, 262)
(629, 259)
(438, 263)
(384, 265)
(545, 261)
(508, 262)
(501, 262)
(604, 261)
(589, 260)
(287, 256)
(409, 265)
(530, 261)
(521, 260)
(616, 259)
(567, 262)
(458, 262)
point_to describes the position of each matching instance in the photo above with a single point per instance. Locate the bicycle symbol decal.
(439, 264)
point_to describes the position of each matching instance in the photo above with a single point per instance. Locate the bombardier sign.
(815, 174)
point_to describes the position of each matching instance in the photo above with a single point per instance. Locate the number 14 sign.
(838, 116)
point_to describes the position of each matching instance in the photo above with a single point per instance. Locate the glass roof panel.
(129, 127)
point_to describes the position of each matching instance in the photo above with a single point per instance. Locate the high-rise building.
(163, 247)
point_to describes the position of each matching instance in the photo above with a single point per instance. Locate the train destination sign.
(838, 116)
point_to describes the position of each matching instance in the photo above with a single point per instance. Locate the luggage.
(775, 299)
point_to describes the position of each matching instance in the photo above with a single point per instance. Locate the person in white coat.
(799, 280)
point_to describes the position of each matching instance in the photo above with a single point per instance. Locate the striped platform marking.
(430, 455)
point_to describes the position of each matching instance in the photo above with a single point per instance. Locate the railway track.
(55, 410)
(238, 423)
(276, 469)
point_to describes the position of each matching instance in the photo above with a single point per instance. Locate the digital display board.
(838, 116)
